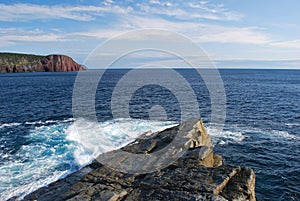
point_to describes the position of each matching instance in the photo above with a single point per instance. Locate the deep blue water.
(38, 142)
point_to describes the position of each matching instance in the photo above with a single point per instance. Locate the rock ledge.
(197, 175)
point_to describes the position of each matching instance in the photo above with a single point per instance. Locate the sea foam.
(60, 147)
(93, 138)
(9, 125)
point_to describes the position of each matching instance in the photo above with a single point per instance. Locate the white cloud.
(108, 2)
(98, 33)
(157, 2)
(200, 32)
(190, 12)
(190, 19)
(25, 12)
(287, 44)
(125, 19)
(33, 38)
(213, 11)
(154, 1)
(11, 36)
(246, 35)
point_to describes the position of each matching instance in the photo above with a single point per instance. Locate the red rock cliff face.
(50, 63)
(59, 63)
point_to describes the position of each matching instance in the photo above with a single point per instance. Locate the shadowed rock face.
(198, 174)
(15, 63)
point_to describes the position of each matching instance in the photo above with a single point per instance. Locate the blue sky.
(235, 33)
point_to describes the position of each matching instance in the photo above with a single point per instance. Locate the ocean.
(39, 140)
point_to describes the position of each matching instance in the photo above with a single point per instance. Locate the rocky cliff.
(14, 63)
(198, 174)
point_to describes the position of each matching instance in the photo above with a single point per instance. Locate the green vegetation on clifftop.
(15, 59)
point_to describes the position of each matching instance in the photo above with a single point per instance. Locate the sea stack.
(198, 174)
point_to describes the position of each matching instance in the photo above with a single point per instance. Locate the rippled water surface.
(39, 142)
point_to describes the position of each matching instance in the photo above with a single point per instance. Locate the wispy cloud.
(157, 2)
(244, 35)
(198, 32)
(25, 12)
(226, 32)
(215, 11)
(173, 16)
(190, 11)
(287, 44)
(201, 32)
(11, 36)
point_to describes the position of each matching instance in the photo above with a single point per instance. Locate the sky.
(234, 33)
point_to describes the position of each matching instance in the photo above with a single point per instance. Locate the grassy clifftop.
(15, 59)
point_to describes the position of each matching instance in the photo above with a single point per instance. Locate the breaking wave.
(58, 148)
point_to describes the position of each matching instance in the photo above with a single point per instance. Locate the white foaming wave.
(238, 134)
(4, 125)
(61, 148)
(27, 187)
(293, 124)
(272, 134)
(33, 122)
(49, 122)
(9, 125)
(93, 138)
(283, 134)
(224, 137)
(37, 164)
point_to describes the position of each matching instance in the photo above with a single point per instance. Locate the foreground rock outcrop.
(15, 63)
(198, 174)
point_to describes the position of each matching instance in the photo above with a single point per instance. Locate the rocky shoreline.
(198, 174)
(17, 63)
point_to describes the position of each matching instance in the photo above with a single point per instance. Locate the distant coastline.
(20, 63)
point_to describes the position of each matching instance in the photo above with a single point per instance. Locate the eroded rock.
(198, 174)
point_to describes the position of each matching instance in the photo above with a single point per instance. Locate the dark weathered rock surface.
(196, 175)
(14, 63)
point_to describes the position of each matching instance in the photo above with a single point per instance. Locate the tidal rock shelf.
(197, 174)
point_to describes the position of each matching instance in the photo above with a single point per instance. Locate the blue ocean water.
(39, 142)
